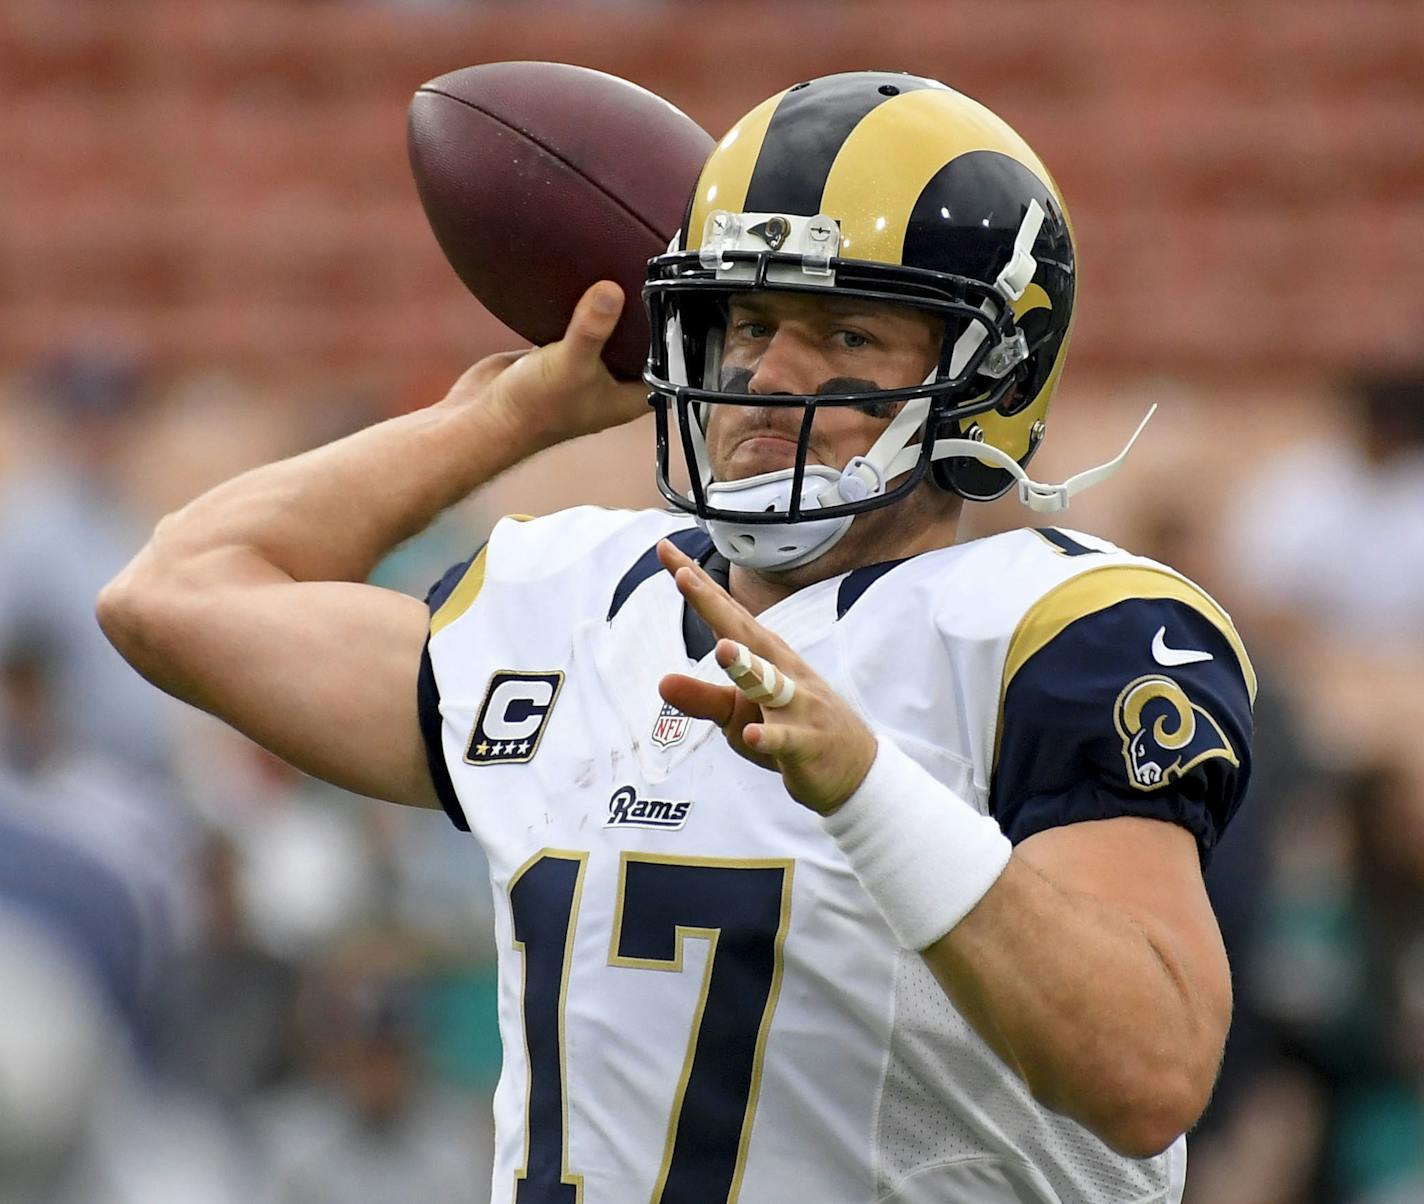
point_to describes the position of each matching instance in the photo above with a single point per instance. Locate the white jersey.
(697, 1000)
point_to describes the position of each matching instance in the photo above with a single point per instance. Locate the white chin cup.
(774, 545)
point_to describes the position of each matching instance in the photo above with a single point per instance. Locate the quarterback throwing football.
(834, 859)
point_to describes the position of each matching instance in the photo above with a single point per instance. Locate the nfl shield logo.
(670, 727)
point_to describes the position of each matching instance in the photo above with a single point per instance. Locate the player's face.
(794, 343)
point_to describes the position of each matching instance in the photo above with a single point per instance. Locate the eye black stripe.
(806, 134)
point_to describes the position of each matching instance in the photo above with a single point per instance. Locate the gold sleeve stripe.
(1097, 590)
(728, 174)
(462, 596)
(896, 150)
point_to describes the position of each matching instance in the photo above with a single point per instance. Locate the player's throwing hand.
(562, 390)
(779, 714)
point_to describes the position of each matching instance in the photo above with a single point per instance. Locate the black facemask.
(739, 380)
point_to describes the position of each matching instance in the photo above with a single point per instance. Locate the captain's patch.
(1164, 733)
(512, 717)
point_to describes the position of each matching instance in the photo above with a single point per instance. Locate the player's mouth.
(765, 451)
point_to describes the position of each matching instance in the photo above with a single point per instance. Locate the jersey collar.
(697, 637)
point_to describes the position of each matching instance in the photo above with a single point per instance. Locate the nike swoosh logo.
(1171, 657)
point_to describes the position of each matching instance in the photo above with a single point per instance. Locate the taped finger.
(759, 680)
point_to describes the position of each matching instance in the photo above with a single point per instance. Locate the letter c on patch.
(528, 700)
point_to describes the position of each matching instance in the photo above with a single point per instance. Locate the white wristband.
(920, 851)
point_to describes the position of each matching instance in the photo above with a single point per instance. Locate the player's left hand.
(821, 748)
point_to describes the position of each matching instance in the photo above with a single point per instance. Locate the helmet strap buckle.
(853, 486)
(1005, 356)
(1020, 269)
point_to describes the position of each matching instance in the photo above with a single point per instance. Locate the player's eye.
(751, 331)
(853, 340)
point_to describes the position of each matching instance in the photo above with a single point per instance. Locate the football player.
(834, 859)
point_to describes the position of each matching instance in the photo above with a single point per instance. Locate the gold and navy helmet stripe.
(888, 161)
(864, 156)
(728, 173)
(776, 159)
(808, 134)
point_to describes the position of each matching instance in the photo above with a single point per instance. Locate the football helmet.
(892, 188)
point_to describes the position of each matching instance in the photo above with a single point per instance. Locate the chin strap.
(1038, 497)
(868, 475)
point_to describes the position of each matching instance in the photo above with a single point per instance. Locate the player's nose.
(787, 365)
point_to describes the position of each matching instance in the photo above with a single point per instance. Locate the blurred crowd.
(224, 981)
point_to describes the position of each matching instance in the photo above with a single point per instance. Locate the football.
(539, 179)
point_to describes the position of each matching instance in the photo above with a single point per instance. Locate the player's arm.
(1094, 967)
(250, 601)
(1094, 964)
(1086, 954)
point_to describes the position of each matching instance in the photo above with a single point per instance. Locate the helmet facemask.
(790, 516)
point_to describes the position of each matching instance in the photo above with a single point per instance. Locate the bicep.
(1148, 870)
(323, 674)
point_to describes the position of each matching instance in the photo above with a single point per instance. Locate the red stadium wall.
(226, 181)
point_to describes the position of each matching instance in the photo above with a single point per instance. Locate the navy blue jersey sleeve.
(428, 695)
(1137, 706)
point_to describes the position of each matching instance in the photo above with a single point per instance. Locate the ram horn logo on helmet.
(773, 232)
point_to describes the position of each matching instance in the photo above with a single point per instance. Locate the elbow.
(130, 607)
(111, 611)
(124, 609)
(1137, 1108)
(1138, 1097)
(1145, 1135)
(1144, 1124)
(142, 614)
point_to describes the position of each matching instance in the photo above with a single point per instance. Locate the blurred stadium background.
(221, 982)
